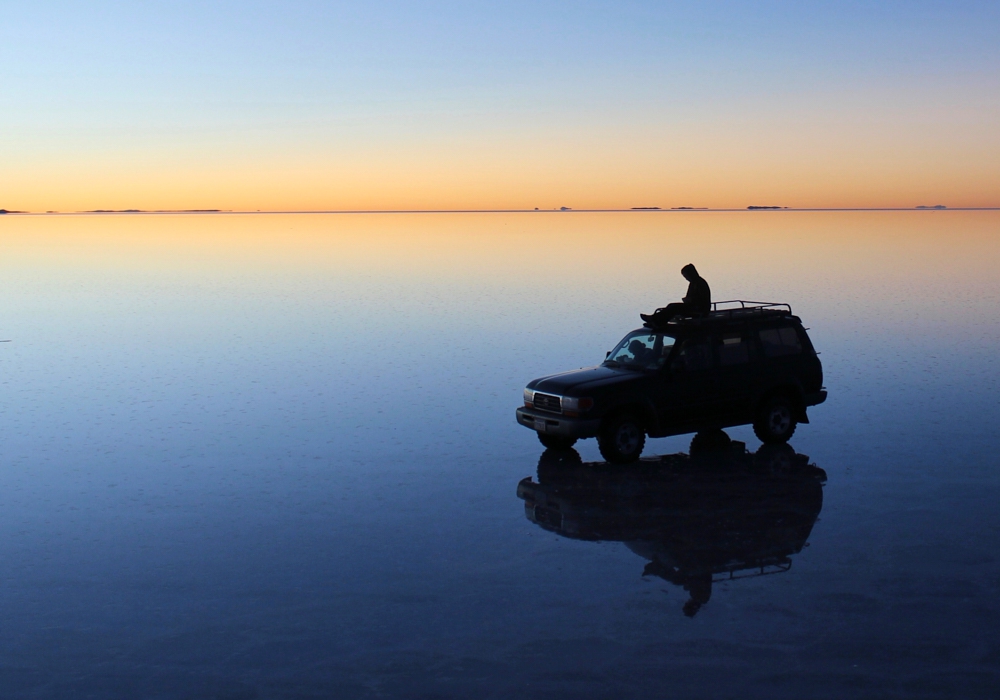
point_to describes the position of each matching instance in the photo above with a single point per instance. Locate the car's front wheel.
(556, 442)
(775, 421)
(621, 439)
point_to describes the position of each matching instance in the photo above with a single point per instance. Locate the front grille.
(547, 402)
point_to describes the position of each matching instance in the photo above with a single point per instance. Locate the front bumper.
(557, 424)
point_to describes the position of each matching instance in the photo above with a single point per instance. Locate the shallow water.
(276, 456)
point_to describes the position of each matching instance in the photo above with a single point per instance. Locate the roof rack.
(751, 569)
(737, 310)
(751, 307)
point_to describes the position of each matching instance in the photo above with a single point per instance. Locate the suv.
(743, 362)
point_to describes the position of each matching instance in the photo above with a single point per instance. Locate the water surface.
(276, 456)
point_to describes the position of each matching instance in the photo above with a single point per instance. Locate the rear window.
(733, 350)
(694, 356)
(778, 342)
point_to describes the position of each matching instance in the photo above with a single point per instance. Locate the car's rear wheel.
(775, 420)
(621, 439)
(710, 441)
(775, 458)
(556, 442)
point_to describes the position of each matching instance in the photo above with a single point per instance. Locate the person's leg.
(661, 316)
(668, 312)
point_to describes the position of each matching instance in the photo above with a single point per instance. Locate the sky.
(472, 105)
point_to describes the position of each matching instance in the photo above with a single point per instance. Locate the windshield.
(641, 350)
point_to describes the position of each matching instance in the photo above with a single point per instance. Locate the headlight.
(529, 397)
(574, 405)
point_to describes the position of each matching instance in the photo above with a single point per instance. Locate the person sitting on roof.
(698, 300)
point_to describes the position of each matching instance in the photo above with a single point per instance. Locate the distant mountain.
(936, 206)
(755, 208)
(644, 208)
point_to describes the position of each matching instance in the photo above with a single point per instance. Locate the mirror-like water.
(276, 456)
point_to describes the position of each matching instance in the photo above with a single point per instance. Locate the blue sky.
(276, 84)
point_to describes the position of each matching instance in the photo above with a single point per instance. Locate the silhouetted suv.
(743, 362)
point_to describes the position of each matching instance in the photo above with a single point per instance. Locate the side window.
(733, 350)
(694, 356)
(778, 342)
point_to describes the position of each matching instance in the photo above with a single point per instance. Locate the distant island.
(753, 208)
(565, 209)
(687, 208)
(644, 208)
(936, 206)
(153, 211)
(11, 211)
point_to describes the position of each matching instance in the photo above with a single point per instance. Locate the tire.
(556, 442)
(621, 439)
(775, 458)
(710, 441)
(555, 465)
(775, 422)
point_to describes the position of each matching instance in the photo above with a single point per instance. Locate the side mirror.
(607, 354)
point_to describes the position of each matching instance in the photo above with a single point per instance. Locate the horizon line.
(563, 210)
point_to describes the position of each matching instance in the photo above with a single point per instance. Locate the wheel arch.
(789, 390)
(642, 410)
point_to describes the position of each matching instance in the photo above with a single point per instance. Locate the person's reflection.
(718, 514)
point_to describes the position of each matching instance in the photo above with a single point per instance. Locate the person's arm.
(692, 293)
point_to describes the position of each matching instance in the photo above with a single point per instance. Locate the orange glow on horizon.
(647, 167)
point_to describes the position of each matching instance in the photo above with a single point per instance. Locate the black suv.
(743, 362)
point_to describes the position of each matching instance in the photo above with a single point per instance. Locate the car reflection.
(718, 514)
